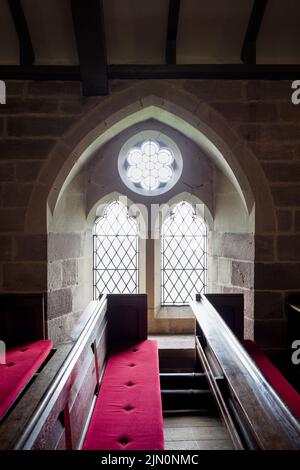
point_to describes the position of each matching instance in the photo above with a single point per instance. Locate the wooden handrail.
(268, 421)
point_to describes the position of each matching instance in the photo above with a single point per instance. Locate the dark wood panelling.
(231, 308)
(255, 416)
(127, 317)
(22, 318)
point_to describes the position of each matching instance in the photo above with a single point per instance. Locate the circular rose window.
(151, 166)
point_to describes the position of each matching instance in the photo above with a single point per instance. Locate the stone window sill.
(175, 312)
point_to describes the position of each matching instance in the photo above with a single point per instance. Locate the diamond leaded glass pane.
(183, 256)
(116, 242)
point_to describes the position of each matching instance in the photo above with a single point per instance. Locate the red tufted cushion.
(286, 392)
(21, 364)
(128, 411)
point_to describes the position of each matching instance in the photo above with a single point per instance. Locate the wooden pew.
(26, 350)
(22, 318)
(54, 412)
(253, 413)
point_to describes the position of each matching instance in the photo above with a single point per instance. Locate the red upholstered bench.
(21, 364)
(128, 410)
(286, 392)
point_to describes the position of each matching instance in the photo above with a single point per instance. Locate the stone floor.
(186, 432)
(174, 341)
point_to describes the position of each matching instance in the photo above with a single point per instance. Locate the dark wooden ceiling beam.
(25, 44)
(161, 71)
(248, 54)
(173, 18)
(90, 39)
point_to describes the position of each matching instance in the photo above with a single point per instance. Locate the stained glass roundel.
(150, 166)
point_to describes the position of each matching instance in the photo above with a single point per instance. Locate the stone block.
(272, 151)
(242, 274)
(264, 248)
(277, 276)
(7, 171)
(25, 277)
(59, 303)
(31, 247)
(285, 195)
(268, 305)
(54, 275)
(247, 112)
(64, 246)
(71, 88)
(12, 220)
(268, 90)
(16, 194)
(216, 90)
(284, 220)
(281, 132)
(30, 106)
(288, 247)
(28, 171)
(282, 172)
(251, 132)
(233, 245)
(14, 87)
(5, 248)
(248, 328)
(69, 272)
(224, 271)
(74, 106)
(38, 126)
(289, 112)
(45, 88)
(25, 149)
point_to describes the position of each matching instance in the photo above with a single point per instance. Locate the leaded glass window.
(150, 163)
(116, 243)
(183, 255)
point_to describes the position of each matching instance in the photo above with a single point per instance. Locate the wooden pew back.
(254, 414)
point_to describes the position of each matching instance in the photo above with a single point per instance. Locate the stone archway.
(109, 116)
(181, 110)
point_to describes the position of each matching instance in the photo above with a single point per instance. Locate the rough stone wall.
(232, 248)
(260, 113)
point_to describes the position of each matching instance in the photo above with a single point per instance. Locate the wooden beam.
(161, 71)
(173, 18)
(205, 71)
(25, 44)
(248, 54)
(90, 38)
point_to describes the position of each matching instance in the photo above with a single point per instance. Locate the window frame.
(103, 215)
(193, 205)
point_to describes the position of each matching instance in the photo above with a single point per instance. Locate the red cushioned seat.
(128, 411)
(286, 392)
(21, 364)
